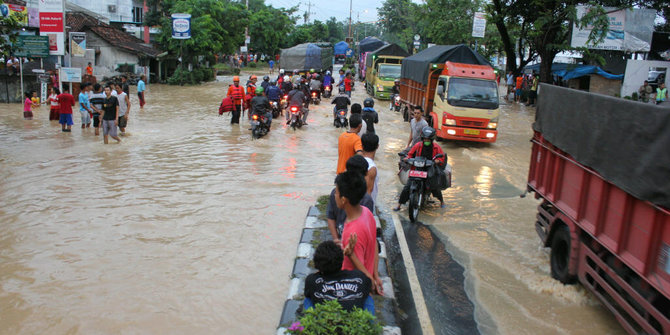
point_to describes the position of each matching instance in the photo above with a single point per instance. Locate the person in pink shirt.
(27, 107)
(359, 226)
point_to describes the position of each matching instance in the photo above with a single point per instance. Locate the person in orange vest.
(251, 92)
(237, 93)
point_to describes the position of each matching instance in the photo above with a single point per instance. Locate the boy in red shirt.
(348, 83)
(66, 102)
(359, 227)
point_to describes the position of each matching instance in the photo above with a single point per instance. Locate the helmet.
(252, 77)
(272, 83)
(259, 90)
(236, 78)
(368, 102)
(428, 133)
(315, 76)
(296, 71)
(396, 81)
(311, 71)
(287, 78)
(328, 73)
(296, 86)
(341, 90)
(266, 78)
(281, 71)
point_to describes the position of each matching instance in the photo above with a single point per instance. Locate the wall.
(10, 86)
(637, 72)
(604, 86)
(109, 58)
(123, 8)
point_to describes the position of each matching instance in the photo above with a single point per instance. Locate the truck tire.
(560, 255)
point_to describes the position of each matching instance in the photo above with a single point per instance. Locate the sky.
(322, 10)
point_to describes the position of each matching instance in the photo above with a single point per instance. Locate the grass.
(322, 205)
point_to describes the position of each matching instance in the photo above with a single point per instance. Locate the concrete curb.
(316, 231)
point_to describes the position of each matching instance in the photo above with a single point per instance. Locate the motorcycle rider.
(266, 82)
(296, 98)
(280, 77)
(427, 148)
(286, 86)
(395, 90)
(328, 80)
(260, 105)
(296, 77)
(274, 93)
(341, 102)
(251, 91)
(315, 86)
(370, 115)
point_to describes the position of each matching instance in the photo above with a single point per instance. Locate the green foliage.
(185, 77)
(225, 69)
(9, 30)
(252, 65)
(269, 27)
(335, 30)
(635, 96)
(216, 27)
(329, 318)
(402, 19)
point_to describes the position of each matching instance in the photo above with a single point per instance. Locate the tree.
(216, 27)
(9, 27)
(269, 28)
(401, 20)
(335, 30)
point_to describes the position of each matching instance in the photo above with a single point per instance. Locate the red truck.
(456, 88)
(602, 169)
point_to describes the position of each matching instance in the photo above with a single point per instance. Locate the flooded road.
(189, 226)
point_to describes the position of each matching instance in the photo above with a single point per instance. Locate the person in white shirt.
(370, 142)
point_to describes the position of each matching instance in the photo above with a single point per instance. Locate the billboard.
(14, 10)
(479, 25)
(52, 25)
(77, 44)
(181, 26)
(630, 30)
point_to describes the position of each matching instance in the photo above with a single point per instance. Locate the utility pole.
(349, 35)
(309, 11)
(246, 36)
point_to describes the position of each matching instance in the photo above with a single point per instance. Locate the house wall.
(604, 86)
(109, 58)
(123, 13)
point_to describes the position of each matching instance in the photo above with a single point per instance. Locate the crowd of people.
(348, 263)
(105, 106)
(647, 93)
(523, 88)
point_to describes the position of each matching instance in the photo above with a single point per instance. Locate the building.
(111, 49)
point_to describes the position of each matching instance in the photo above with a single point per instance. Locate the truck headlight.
(450, 122)
(493, 123)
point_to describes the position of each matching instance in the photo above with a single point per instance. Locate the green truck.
(382, 69)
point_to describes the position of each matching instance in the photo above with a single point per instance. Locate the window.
(137, 14)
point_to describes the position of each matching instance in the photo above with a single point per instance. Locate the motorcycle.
(315, 97)
(283, 103)
(276, 109)
(259, 126)
(341, 119)
(296, 117)
(395, 103)
(327, 91)
(419, 189)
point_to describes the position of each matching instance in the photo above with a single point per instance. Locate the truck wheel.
(560, 255)
(405, 114)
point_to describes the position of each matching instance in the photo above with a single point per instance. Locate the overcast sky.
(323, 9)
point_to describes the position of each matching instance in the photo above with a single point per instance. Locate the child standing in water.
(54, 114)
(35, 100)
(27, 107)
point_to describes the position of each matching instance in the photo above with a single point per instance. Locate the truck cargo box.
(417, 66)
(306, 56)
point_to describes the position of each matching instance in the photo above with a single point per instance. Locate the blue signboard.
(349, 52)
(181, 26)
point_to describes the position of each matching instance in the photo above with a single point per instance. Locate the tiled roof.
(80, 22)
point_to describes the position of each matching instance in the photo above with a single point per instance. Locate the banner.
(52, 25)
(181, 26)
(31, 46)
(7, 10)
(77, 44)
(70, 74)
(629, 30)
(479, 25)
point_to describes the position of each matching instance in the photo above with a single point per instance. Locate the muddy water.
(190, 226)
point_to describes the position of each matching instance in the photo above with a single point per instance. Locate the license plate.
(254, 123)
(471, 131)
(418, 174)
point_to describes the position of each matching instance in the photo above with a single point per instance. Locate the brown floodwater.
(189, 226)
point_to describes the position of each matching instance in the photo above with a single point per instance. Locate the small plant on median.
(329, 318)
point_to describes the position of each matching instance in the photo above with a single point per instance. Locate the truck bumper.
(383, 95)
(468, 134)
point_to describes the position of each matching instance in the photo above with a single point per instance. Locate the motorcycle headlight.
(450, 122)
(420, 163)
